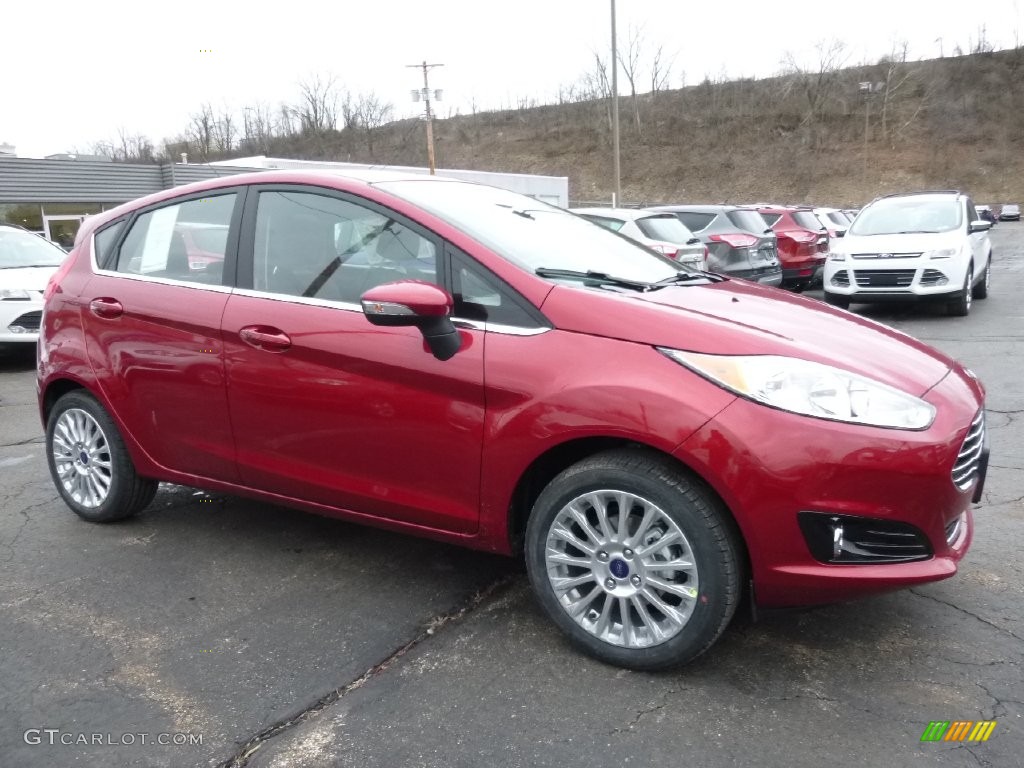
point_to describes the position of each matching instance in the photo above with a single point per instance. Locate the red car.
(803, 244)
(466, 363)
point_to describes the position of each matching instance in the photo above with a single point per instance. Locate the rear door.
(979, 240)
(152, 329)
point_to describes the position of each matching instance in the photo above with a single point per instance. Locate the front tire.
(837, 300)
(981, 289)
(635, 561)
(961, 305)
(89, 464)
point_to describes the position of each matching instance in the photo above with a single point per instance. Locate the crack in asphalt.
(241, 757)
(972, 615)
(24, 512)
(27, 441)
(641, 714)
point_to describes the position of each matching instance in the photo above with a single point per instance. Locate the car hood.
(736, 317)
(915, 242)
(26, 278)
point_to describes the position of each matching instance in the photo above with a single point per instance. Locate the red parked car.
(803, 244)
(466, 363)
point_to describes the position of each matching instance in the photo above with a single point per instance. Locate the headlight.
(810, 389)
(14, 294)
(945, 253)
(836, 256)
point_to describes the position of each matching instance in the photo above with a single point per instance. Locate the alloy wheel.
(621, 568)
(82, 458)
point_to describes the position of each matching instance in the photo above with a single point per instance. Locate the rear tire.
(608, 582)
(89, 464)
(837, 300)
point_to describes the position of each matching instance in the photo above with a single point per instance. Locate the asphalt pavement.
(248, 634)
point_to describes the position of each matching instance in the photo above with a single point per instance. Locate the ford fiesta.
(465, 363)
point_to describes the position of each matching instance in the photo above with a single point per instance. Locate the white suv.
(925, 246)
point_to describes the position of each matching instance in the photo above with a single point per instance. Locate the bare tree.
(661, 69)
(200, 132)
(225, 131)
(317, 110)
(371, 113)
(630, 62)
(126, 148)
(816, 85)
(257, 127)
(896, 74)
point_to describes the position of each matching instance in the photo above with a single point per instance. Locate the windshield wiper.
(688, 277)
(601, 277)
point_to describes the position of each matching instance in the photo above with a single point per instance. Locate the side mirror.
(978, 226)
(415, 303)
(840, 233)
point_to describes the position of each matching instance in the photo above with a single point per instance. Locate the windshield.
(665, 227)
(910, 214)
(807, 220)
(23, 249)
(533, 234)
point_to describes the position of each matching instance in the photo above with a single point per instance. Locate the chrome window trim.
(474, 325)
(146, 278)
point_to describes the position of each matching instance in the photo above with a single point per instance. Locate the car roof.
(702, 208)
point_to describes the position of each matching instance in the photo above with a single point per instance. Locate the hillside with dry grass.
(807, 136)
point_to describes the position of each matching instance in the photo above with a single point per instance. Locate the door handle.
(265, 337)
(106, 307)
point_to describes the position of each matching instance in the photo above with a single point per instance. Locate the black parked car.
(740, 242)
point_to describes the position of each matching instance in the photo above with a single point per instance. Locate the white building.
(550, 189)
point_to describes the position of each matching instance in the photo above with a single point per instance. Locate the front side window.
(613, 224)
(167, 243)
(318, 246)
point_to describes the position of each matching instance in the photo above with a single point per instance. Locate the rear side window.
(807, 220)
(178, 241)
(667, 228)
(695, 221)
(613, 224)
(748, 221)
(105, 240)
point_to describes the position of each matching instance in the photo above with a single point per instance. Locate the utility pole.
(615, 116)
(424, 94)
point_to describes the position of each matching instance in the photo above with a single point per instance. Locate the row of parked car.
(776, 245)
(921, 246)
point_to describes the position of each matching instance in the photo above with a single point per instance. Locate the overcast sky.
(76, 72)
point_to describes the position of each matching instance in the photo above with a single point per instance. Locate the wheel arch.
(545, 467)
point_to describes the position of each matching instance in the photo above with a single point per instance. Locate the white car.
(834, 220)
(926, 246)
(26, 263)
(658, 230)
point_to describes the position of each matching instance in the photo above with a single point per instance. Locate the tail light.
(54, 282)
(665, 250)
(735, 241)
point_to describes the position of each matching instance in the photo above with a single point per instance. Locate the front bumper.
(874, 280)
(19, 321)
(769, 466)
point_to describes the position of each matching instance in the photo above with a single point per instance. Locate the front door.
(326, 407)
(62, 229)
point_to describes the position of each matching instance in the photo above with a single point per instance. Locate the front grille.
(884, 278)
(885, 255)
(933, 277)
(965, 469)
(28, 322)
(848, 539)
(841, 279)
